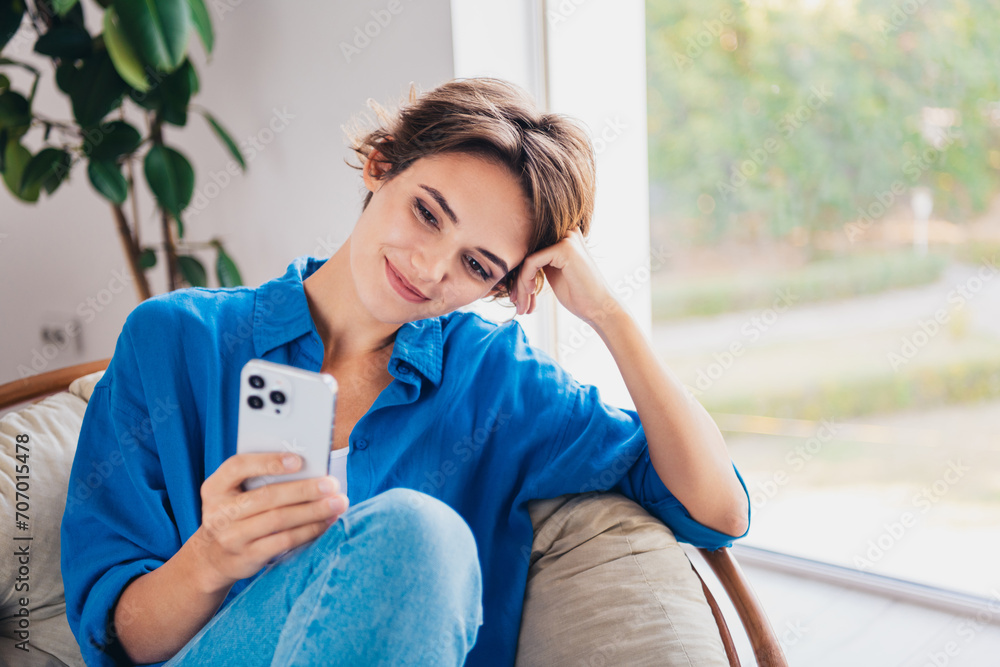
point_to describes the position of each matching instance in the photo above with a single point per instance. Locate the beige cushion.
(53, 427)
(52, 642)
(84, 386)
(609, 585)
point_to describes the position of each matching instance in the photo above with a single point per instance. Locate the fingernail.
(328, 484)
(290, 461)
(337, 505)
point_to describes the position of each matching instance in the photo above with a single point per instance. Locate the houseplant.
(140, 58)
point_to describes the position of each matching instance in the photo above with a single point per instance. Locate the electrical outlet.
(62, 331)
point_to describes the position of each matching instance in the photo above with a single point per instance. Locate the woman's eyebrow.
(443, 203)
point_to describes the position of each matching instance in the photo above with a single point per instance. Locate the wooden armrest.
(766, 648)
(42, 384)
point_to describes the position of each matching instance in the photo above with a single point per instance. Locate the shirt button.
(361, 444)
(404, 369)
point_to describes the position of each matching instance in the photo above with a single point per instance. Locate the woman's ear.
(375, 169)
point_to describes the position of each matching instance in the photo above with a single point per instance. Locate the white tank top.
(338, 466)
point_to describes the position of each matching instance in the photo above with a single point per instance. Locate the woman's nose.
(431, 264)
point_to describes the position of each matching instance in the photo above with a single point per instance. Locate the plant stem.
(131, 185)
(173, 269)
(38, 16)
(65, 127)
(168, 240)
(135, 202)
(131, 253)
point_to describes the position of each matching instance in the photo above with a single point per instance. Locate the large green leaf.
(226, 139)
(14, 110)
(112, 140)
(96, 90)
(175, 90)
(123, 55)
(151, 99)
(65, 75)
(203, 22)
(147, 258)
(47, 169)
(108, 180)
(225, 268)
(158, 29)
(16, 158)
(193, 84)
(171, 179)
(192, 270)
(72, 16)
(63, 6)
(66, 41)
(11, 13)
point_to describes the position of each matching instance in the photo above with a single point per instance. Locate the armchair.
(57, 421)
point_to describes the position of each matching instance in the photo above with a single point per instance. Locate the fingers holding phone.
(254, 509)
(242, 530)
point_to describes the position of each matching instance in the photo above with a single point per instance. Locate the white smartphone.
(283, 408)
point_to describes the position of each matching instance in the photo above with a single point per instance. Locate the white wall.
(297, 197)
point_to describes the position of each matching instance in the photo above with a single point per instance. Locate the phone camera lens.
(278, 397)
(256, 381)
(255, 402)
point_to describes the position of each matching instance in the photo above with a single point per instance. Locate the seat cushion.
(33, 480)
(609, 585)
(52, 426)
(52, 642)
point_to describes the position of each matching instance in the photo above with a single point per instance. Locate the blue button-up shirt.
(474, 416)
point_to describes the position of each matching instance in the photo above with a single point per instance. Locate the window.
(825, 198)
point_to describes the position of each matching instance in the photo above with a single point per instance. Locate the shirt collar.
(281, 314)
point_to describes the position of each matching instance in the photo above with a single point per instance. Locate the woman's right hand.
(242, 530)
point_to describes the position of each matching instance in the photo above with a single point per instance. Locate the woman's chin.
(398, 311)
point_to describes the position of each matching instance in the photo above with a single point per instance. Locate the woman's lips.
(402, 288)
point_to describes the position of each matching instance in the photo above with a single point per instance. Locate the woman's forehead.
(478, 195)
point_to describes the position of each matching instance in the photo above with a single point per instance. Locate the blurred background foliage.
(825, 190)
(771, 119)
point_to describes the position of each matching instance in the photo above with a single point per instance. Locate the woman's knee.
(424, 527)
(420, 518)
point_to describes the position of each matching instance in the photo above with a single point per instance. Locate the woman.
(453, 423)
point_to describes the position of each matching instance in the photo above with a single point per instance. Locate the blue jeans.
(395, 581)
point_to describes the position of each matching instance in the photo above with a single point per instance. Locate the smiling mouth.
(402, 287)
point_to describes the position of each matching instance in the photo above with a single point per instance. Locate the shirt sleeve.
(600, 447)
(117, 524)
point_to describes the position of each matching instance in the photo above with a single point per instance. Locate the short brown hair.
(551, 155)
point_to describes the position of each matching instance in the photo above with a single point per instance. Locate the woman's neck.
(347, 329)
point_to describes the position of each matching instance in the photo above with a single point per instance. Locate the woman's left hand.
(574, 277)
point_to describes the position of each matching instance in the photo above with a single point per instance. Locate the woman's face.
(437, 237)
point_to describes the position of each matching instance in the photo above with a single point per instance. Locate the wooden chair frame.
(766, 648)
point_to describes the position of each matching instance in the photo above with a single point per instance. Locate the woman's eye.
(478, 269)
(425, 214)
